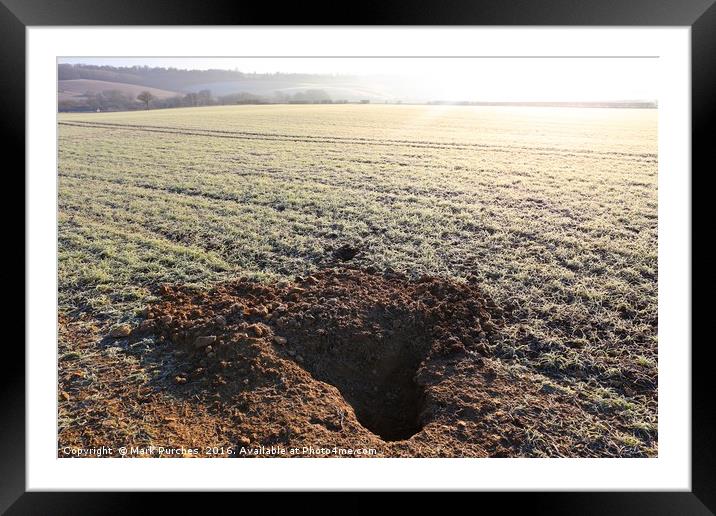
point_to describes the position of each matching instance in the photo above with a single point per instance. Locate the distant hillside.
(172, 79)
(76, 89)
(162, 78)
(88, 87)
(173, 87)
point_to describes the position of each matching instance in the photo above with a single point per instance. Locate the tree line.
(116, 100)
(174, 79)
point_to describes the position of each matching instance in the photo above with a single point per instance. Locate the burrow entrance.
(364, 332)
(375, 374)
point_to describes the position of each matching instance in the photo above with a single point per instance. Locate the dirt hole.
(346, 253)
(377, 378)
(370, 334)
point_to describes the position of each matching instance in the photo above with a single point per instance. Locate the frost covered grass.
(554, 210)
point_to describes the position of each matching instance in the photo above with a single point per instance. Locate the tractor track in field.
(387, 196)
(242, 135)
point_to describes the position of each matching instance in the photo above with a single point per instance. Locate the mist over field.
(86, 86)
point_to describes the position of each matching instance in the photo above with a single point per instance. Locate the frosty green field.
(553, 210)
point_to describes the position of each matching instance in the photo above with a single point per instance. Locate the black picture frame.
(700, 15)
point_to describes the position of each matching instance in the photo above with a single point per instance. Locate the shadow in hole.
(375, 376)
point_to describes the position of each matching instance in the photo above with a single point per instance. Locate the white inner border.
(670, 471)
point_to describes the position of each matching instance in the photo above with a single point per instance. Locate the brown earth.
(346, 359)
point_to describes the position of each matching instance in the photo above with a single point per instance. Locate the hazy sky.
(489, 79)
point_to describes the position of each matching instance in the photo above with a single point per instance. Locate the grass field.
(554, 211)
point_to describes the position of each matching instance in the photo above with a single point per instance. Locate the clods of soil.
(371, 336)
(347, 362)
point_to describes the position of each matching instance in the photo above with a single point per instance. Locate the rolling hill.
(77, 89)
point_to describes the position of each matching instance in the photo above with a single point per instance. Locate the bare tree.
(145, 97)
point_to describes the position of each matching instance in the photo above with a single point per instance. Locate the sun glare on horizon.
(450, 79)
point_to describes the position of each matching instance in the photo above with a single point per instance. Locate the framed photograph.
(426, 248)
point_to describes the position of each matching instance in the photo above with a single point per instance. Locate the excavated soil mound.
(345, 363)
(366, 334)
